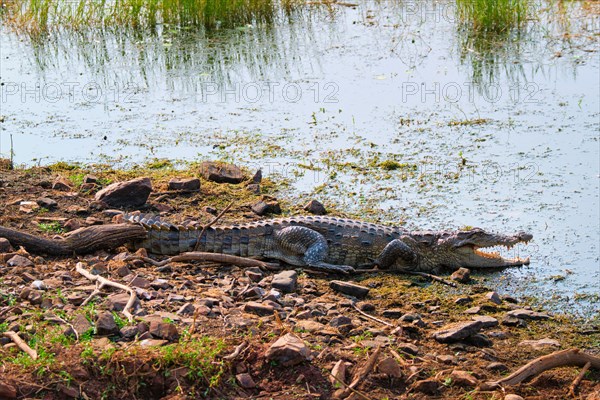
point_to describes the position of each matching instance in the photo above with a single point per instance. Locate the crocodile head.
(473, 248)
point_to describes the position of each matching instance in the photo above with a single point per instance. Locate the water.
(499, 134)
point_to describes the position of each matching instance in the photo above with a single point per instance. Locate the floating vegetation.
(44, 15)
(492, 15)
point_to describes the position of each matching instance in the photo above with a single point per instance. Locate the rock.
(144, 283)
(338, 374)
(160, 284)
(39, 285)
(340, 321)
(473, 310)
(118, 301)
(253, 188)
(408, 348)
(186, 309)
(479, 340)
(463, 300)
(273, 295)
(19, 261)
(315, 207)
(365, 306)
(510, 320)
(494, 297)
(429, 387)
(76, 298)
(5, 246)
(496, 367)
(263, 208)
(541, 343)
(463, 378)
(446, 359)
(90, 179)
(129, 332)
(350, 289)
(46, 203)
(309, 326)
(285, 281)
(254, 275)
(133, 193)
(72, 224)
(163, 330)
(515, 397)
(462, 275)
(486, 320)
(62, 185)
(184, 184)
(457, 331)
(527, 314)
(394, 313)
(175, 298)
(245, 381)
(288, 350)
(70, 392)
(221, 172)
(153, 342)
(123, 271)
(258, 308)
(7, 391)
(105, 324)
(410, 317)
(390, 367)
(257, 178)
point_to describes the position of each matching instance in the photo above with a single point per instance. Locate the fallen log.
(80, 241)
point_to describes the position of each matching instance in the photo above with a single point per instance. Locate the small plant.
(50, 227)
(121, 322)
(492, 16)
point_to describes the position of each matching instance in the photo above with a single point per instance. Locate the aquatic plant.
(492, 15)
(42, 15)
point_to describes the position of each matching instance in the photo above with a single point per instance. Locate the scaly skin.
(335, 244)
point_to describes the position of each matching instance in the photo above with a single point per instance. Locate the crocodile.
(334, 244)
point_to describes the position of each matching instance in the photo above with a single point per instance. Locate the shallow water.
(500, 135)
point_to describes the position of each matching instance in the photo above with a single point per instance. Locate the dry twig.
(239, 348)
(211, 223)
(21, 344)
(372, 317)
(362, 372)
(560, 358)
(578, 379)
(101, 282)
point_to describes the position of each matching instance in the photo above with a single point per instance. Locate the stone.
(72, 224)
(541, 343)
(132, 193)
(515, 397)
(339, 321)
(257, 178)
(153, 342)
(288, 350)
(285, 281)
(315, 207)
(90, 179)
(408, 348)
(46, 203)
(142, 283)
(105, 324)
(7, 391)
(129, 332)
(479, 340)
(5, 246)
(70, 392)
(160, 284)
(527, 314)
(510, 320)
(221, 172)
(258, 308)
(496, 367)
(462, 275)
(175, 298)
(338, 374)
(446, 359)
(429, 387)
(394, 313)
(463, 300)
(457, 331)
(39, 285)
(186, 309)
(309, 326)
(263, 208)
(62, 184)
(350, 289)
(463, 378)
(390, 367)
(365, 306)
(253, 188)
(494, 297)
(410, 317)
(163, 330)
(184, 184)
(486, 320)
(254, 275)
(19, 261)
(473, 310)
(245, 381)
(123, 271)
(118, 301)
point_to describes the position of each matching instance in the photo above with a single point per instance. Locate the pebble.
(487, 321)
(350, 289)
(285, 281)
(221, 172)
(390, 367)
(105, 324)
(184, 184)
(462, 275)
(527, 314)
(513, 397)
(163, 330)
(264, 208)
(46, 203)
(315, 207)
(457, 331)
(494, 297)
(463, 378)
(19, 261)
(258, 308)
(288, 350)
(5, 246)
(245, 381)
(541, 343)
(132, 193)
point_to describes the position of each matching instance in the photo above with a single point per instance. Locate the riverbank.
(216, 331)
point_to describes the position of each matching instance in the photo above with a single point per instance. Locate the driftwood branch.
(562, 358)
(362, 372)
(101, 282)
(577, 380)
(212, 257)
(80, 241)
(21, 344)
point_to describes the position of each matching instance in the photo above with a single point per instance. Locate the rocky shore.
(193, 330)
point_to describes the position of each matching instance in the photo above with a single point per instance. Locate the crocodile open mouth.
(498, 254)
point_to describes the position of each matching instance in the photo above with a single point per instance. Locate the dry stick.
(578, 379)
(21, 344)
(372, 317)
(236, 352)
(101, 282)
(357, 392)
(430, 276)
(363, 372)
(212, 257)
(399, 358)
(205, 227)
(560, 358)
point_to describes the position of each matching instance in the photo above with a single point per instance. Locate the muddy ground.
(190, 318)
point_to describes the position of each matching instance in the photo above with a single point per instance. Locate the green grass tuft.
(492, 15)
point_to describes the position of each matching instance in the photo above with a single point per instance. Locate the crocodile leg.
(397, 253)
(303, 246)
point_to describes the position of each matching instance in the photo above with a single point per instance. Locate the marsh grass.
(43, 15)
(492, 15)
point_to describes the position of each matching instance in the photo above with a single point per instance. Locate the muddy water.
(389, 111)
